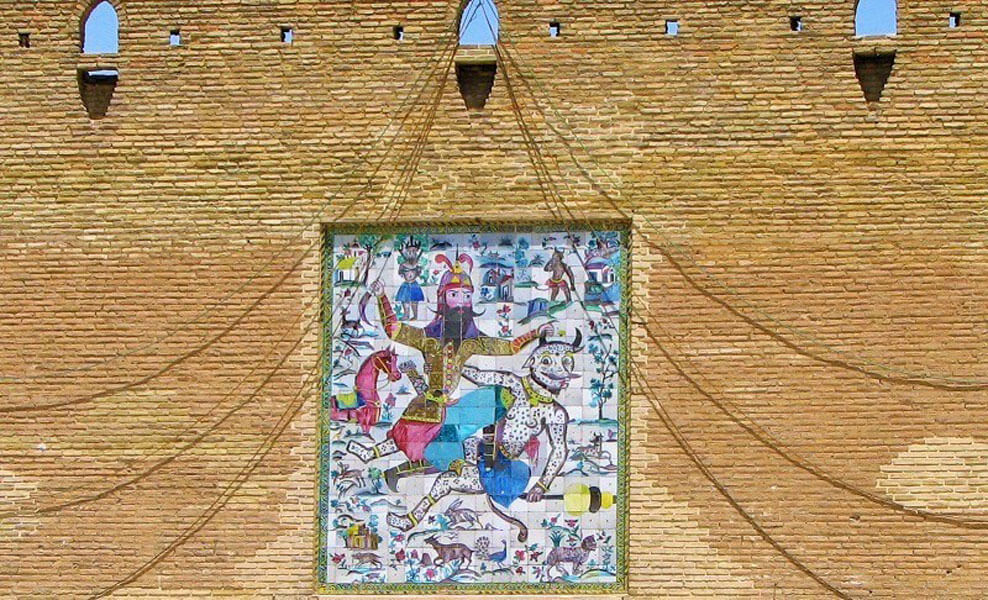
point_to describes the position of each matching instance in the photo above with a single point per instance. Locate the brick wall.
(815, 264)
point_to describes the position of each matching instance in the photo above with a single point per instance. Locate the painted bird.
(499, 557)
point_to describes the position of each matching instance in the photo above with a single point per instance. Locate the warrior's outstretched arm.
(388, 317)
(395, 329)
(418, 382)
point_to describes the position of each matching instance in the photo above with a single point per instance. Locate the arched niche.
(876, 18)
(480, 23)
(99, 29)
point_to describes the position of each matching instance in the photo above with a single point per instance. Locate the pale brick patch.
(940, 474)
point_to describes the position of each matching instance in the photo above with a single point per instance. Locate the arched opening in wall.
(100, 32)
(479, 25)
(876, 17)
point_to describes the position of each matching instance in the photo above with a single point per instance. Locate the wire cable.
(755, 431)
(199, 317)
(688, 450)
(868, 368)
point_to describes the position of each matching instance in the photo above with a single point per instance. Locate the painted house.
(360, 537)
(600, 286)
(348, 270)
(498, 282)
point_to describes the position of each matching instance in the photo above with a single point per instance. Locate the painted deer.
(364, 405)
(350, 477)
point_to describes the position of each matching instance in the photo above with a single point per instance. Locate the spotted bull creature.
(493, 463)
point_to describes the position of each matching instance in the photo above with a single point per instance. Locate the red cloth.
(413, 436)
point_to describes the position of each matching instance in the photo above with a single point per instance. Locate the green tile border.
(623, 227)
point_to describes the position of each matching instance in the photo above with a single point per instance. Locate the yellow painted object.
(580, 499)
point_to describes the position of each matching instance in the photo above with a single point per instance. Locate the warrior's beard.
(453, 324)
(456, 322)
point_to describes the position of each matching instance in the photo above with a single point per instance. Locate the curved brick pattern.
(858, 228)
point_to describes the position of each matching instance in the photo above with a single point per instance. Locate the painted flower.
(519, 555)
(430, 573)
(400, 555)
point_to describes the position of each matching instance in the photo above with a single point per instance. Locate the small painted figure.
(562, 276)
(492, 464)
(410, 293)
(446, 344)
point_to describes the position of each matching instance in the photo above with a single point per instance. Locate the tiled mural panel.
(472, 423)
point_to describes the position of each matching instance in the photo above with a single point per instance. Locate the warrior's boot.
(392, 475)
(360, 451)
(406, 522)
(368, 454)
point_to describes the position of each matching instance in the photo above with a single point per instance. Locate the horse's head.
(389, 364)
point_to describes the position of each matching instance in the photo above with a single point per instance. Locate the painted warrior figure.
(446, 344)
(492, 464)
(410, 292)
(561, 278)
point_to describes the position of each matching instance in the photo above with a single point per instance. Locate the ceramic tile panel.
(472, 432)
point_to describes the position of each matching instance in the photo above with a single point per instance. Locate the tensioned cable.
(234, 486)
(769, 441)
(226, 330)
(405, 183)
(451, 44)
(236, 483)
(157, 466)
(761, 436)
(891, 374)
(685, 445)
(687, 449)
(160, 464)
(418, 150)
(226, 494)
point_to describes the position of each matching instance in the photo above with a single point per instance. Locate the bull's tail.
(522, 529)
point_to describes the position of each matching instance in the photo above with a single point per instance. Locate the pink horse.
(364, 405)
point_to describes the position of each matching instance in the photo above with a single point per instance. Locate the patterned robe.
(424, 417)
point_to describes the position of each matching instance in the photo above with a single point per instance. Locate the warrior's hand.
(535, 494)
(406, 366)
(377, 288)
(547, 330)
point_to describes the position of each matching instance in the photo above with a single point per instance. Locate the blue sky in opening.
(100, 35)
(875, 17)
